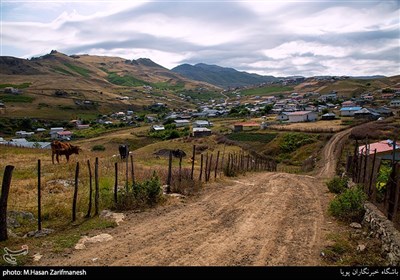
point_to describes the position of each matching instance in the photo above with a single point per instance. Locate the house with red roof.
(240, 126)
(384, 149)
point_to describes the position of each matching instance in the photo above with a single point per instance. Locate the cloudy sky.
(268, 37)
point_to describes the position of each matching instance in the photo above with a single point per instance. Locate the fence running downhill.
(380, 179)
(210, 166)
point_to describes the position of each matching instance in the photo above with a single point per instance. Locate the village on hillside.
(256, 112)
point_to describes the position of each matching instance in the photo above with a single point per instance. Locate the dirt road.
(261, 219)
(265, 219)
(330, 153)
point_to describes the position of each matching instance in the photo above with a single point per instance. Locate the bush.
(349, 205)
(148, 192)
(292, 141)
(337, 184)
(143, 194)
(98, 148)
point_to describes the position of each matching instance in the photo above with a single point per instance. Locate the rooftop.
(380, 147)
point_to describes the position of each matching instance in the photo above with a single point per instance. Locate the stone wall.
(384, 230)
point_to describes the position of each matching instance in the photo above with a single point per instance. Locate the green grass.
(66, 107)
(127, 81)
(20, 86)
(68, 238)
(16, 98)
(62, 70)
(252, 137)
(167, 86)
(80, 70)
(266, 90)
(92, 131)
(203, 96)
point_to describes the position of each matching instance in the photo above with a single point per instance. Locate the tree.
(267, 109)
(26, 124)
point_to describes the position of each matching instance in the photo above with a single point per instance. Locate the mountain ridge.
(220, 76)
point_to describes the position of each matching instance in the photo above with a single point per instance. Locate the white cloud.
(295, 48)
(270, 37)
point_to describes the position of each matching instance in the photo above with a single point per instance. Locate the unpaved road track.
(267, 219)
(261, 219)
(330, 153)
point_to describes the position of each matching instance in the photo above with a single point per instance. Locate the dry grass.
(57, 180)
(318, 126)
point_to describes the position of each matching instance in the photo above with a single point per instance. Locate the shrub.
(149, 191)
(337, 184)
(349, 205)
(146, 193)
(292, 141)
(98, 148)
(382, 179)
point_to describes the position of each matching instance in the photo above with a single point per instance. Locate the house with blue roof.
(349, 111)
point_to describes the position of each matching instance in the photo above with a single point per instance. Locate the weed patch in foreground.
(353, 249)
(349, 205)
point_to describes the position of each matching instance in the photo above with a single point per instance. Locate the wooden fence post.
(116, 183)
(209, 168)
(169, 172)
(193, 159)
(365, 167)
(228, 163)
(371, 176)
(201, 167)
(180, 169)
(75, 192)
(90, 190)
(96, 186)
(374, 189)
(39, 194)
(132, 171)
(222, 160)
(127, 173)
(390, 200)
(216, 166)
(206, 168)
(5, 189)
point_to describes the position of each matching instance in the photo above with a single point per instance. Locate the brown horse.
(59, 148)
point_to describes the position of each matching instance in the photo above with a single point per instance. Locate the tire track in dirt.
(265, 219)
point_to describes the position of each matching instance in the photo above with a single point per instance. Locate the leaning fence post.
(169, 172)
(193, 159)
(116, 183)
(75, 193)
(96, 185)
(39, 194)
(5, 189)
(90, 190)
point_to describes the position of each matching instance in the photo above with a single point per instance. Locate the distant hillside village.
(278, 109)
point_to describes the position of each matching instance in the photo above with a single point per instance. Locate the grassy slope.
(88, 78)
